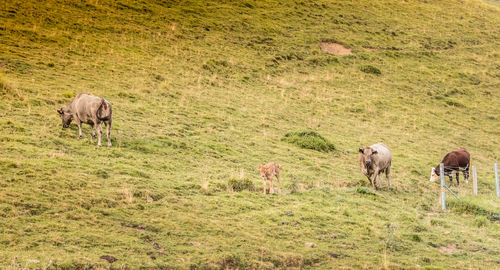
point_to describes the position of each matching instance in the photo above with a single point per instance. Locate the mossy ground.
(309, 140)
(202, 93)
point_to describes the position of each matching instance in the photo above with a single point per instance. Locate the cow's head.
(366, 156)
(262, 171)
(434, 175)
(65, 116)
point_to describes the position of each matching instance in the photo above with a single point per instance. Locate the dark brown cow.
(454, 162)
(91, 110)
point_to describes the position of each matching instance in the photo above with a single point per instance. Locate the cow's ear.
(374, 152)
(258, 168)
(361, 150)
(60, 111)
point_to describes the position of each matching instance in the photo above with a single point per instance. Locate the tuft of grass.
(370, 69)
(293, 184)
(466, 207)
(481, 221)
(309, 140)
(3, 84)
(102, 173)
(415, 238)
(453, 103)
(237, 185)
(68, 94)
(364, 190)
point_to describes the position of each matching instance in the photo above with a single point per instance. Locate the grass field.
(204, 91)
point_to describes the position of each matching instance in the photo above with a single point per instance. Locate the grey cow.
(374, 160)
(88, 109)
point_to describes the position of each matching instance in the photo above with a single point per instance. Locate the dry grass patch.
(450, 249)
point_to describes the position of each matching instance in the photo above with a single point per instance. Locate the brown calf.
(267, 172)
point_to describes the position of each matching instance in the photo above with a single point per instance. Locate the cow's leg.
(79, 124)
(375, 176)
(92, 129)
(388, 175)
(108, 131)
(466, 175)
(279, 182)
(264, 182)
(98, 128)
(271, 188)
(369, 179)
(451, 178)
(379, 178)
(457, 173)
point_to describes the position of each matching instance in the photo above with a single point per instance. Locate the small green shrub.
(68, 94)
(293, 185)
(364, 190)
(419, 228)
(481, 221)
(415, 238)
(453, 103)
(240, 184)
(436, 222)
(309, 140)
(215, 66)
(370, 70)
(102, 173)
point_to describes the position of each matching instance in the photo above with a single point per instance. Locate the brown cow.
(91, 110)
(374, 160)
(268, 172)
(454, 162)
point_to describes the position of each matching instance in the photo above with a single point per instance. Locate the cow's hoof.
(99, 145)
(109, 145)
(79, 137)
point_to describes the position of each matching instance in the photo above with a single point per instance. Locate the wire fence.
(485, 175)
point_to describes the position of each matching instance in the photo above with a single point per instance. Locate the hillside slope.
(203, 92)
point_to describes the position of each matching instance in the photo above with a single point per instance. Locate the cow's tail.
(103, 106)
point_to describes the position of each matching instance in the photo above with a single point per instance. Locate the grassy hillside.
(204, 91)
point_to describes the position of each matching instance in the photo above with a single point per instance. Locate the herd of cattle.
(373, 160)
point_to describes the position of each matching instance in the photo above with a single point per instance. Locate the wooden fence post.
(443, 194)
(474, 180)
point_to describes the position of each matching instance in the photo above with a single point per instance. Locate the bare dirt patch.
(450, 249)
(334, 48)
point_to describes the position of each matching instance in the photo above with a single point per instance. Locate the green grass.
(203, 92)
(309, 140)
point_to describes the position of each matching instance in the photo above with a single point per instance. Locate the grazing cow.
(454, 162)
(374, 160)
(91, 110)
(268, 172)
